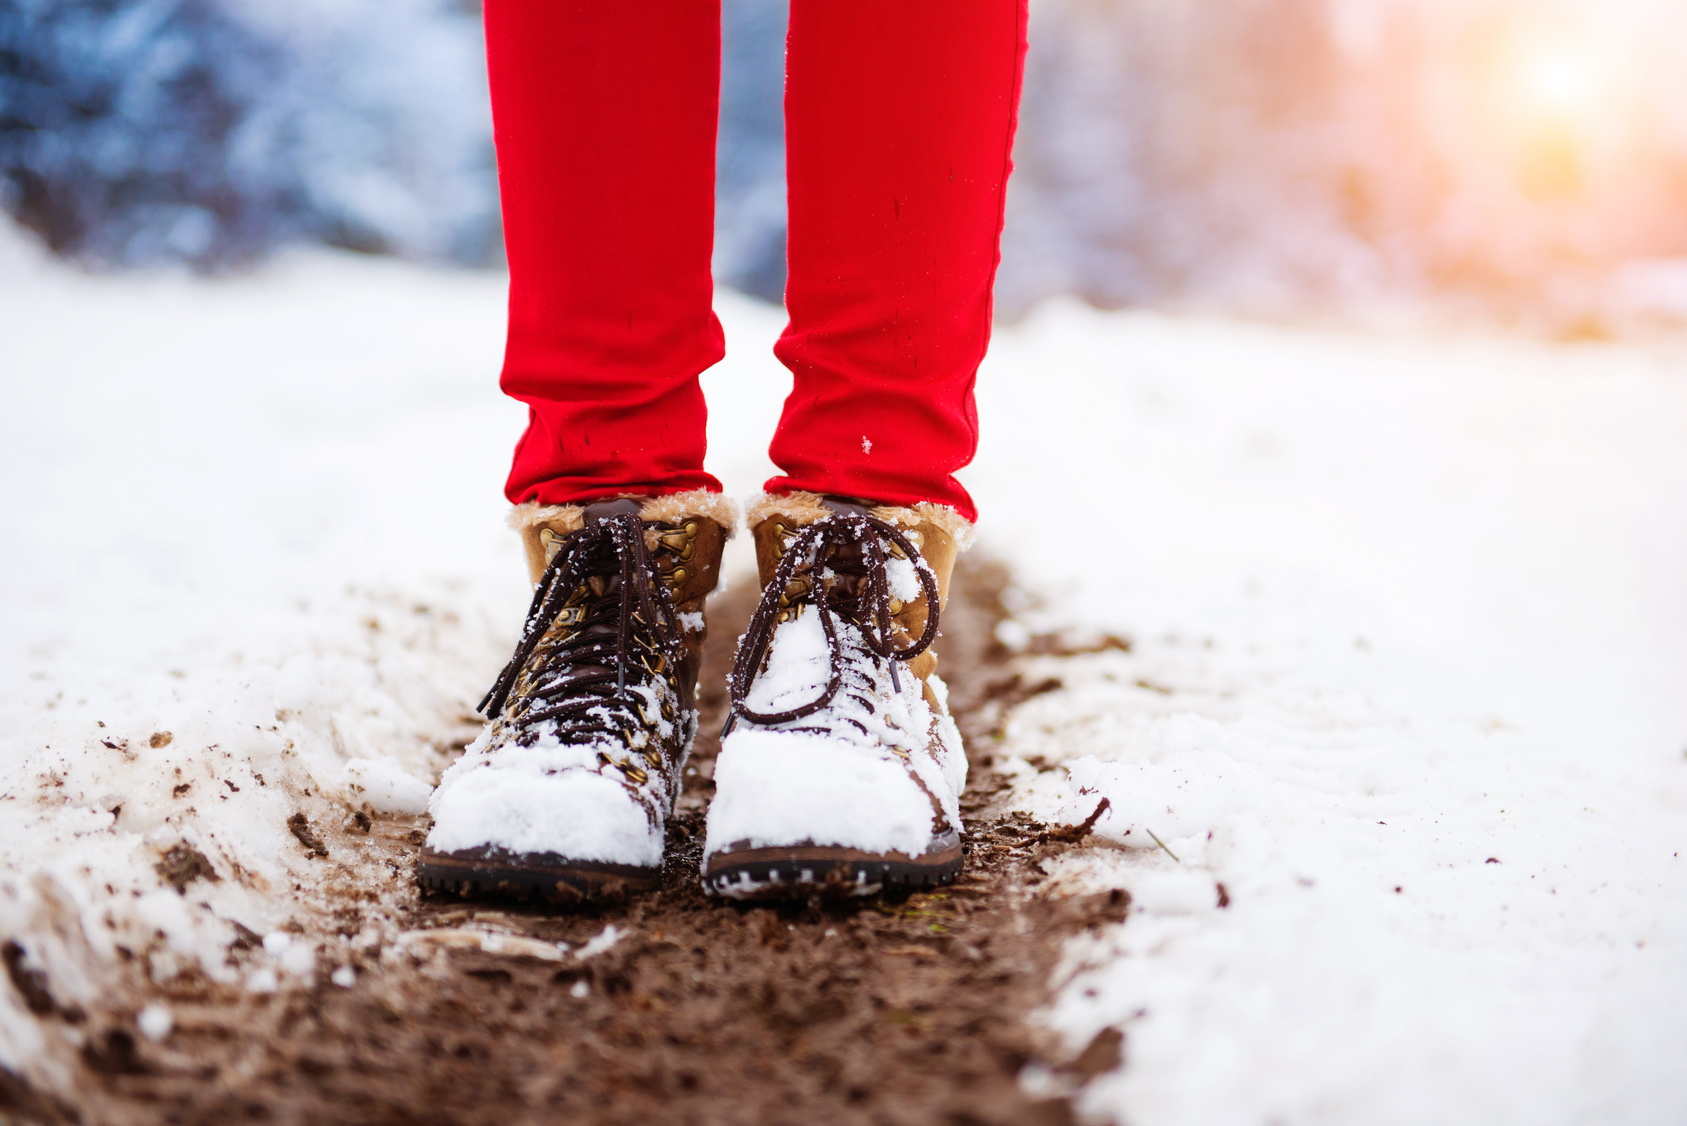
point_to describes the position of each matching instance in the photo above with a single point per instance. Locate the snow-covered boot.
(840, 771)
(567, 792)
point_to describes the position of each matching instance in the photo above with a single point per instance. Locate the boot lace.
(625, 624)
(852, 540)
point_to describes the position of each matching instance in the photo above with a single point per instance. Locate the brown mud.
(904, 1011)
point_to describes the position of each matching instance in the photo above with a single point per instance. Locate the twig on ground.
(1075, 833)
(1162, 844)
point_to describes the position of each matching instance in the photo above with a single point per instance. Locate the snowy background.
(1404, 583)
(1513, 159)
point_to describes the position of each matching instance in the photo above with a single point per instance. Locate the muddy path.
(673, 1008)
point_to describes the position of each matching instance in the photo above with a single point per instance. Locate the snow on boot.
(567, 792)
(840, 771)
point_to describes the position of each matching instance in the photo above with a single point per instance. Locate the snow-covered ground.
(1409, 679)
(1408, 673)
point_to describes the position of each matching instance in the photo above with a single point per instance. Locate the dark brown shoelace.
(859, 539)
(623, 620)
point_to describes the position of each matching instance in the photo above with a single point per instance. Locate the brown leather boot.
(567, 792)
(840, 771)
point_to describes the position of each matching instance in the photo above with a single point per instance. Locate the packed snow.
(1402, 612)
(548, 797)
(862, 772)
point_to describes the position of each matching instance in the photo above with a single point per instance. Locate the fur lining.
(674, 507)
(667, 509)
(798, 509)
(529, 515)
(806, 508)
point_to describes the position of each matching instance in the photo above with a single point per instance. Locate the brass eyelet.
(682, 542)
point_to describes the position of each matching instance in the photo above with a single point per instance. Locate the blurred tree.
(140, 131)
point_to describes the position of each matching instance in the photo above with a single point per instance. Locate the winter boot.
(840, 771)
(567, 792)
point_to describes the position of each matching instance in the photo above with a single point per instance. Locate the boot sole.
(799, 871)
(493, 873)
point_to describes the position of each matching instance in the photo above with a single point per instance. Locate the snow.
(831, 777)
(1397, 604)
(783, 788)
(602, 941)
(1406, 614)
(539, 799)
(155, 1021)
(383, 783)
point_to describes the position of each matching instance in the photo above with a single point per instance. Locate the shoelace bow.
(587, 654)
(816, 544)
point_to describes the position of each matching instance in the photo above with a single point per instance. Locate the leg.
(899, 124)
(605, 117)
(841, 770)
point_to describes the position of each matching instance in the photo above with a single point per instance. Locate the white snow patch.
(155, 1021)
(544, 798)
(383, 783)
(604, 939)
(488, 940)
(298, 959)
(842, 786)
(1407, 614)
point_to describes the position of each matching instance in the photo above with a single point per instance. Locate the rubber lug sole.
(799, 871)
(493, 873)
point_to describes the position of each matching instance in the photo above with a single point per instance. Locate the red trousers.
(899, 120)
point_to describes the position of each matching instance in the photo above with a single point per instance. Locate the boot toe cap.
(786, 787)
(576, 813)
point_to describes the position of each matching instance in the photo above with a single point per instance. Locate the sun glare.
(1552, 78)
(1557, 103)
(1560, 79)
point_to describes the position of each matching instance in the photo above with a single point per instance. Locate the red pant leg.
(604, 114)
(899, 119)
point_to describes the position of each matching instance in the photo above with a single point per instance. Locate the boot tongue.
(848, 564)
(844, 506)
(605, 581)
(599, 511)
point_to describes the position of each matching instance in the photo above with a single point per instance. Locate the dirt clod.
(30, 982)
(299, 826)
(114, 1053)
(181, 864)
(1104, 1053)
